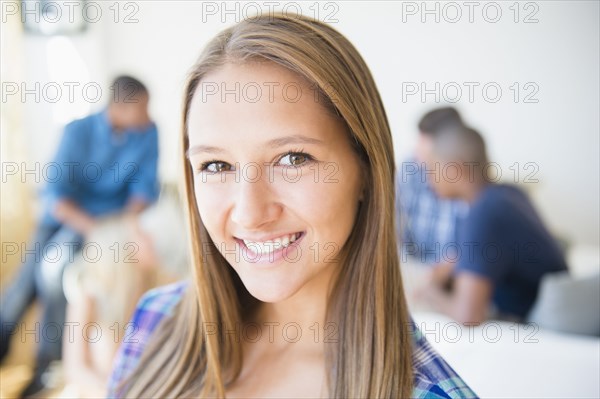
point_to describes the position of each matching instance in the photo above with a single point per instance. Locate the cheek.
(327, 202)
(141, 114)
(211, 206)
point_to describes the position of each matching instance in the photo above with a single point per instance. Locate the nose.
(255, 204)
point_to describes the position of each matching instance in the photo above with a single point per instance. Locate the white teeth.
(268, 247)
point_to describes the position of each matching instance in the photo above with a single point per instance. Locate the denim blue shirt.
(101, 169)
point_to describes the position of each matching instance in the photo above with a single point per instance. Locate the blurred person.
(107, 163)
(428, 222)
(102, 294)
(253, 239)
(505, 248)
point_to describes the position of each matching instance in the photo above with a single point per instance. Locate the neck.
(304, 312)
(472, 190)
(114, 127)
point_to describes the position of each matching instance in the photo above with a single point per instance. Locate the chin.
(443, 194)
(267, 290)
(266, 296)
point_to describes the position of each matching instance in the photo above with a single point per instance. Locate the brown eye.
(294, 159)
(215, 167)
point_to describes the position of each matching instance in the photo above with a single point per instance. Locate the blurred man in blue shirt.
(108, 164)
(505, 248)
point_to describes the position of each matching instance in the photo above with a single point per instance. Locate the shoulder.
(79, 128)
(150, 132)
(154, 306)
(495, 195)
(500, 203)
(489, 207)
(151, 309)
(145, 141)
(161, 300)
(153, 129)
(433, 377)
(85, 121)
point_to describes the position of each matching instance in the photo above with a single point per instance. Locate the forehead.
(252, 82)
(257, 100)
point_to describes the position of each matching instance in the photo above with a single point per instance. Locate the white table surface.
(501, 359)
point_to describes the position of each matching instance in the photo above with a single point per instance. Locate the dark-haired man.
(108, 164)
(504, 246)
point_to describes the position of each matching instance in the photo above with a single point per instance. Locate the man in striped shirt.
(427, 222)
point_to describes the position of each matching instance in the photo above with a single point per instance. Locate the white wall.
(559, 54)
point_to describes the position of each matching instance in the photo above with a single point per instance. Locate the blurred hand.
(440, 274)
(436, 279)
(87, 226)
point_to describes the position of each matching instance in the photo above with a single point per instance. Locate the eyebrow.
(274, 143)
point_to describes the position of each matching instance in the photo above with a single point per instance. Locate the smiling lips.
(257, 248)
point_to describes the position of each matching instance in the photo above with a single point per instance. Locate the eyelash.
(309, 158)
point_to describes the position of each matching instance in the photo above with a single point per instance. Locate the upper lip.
(266, 238)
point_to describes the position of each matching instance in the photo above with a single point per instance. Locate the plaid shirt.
(428, 223)
(434, 378)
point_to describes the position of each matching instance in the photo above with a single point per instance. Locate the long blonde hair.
(372, 356)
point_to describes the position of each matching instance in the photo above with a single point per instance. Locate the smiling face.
(277, 182)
